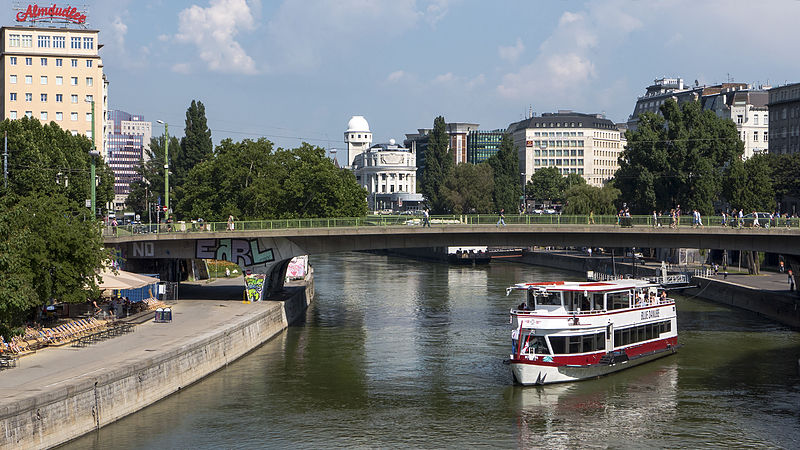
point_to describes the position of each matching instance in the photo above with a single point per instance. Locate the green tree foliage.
(151, 186)
(47, 251)
(196, 145)
(546, 184)
(439, 162)
(748, 184)
(677, 158)
(252, 181)
(583, 199)
(470, 189)
(46, 160)
(505, 165)
(785, 171)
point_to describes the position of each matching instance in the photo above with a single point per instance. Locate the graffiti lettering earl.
(244, 252)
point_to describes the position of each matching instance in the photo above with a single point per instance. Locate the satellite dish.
(391, 141)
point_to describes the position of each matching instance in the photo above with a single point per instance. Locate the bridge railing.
(408, 220)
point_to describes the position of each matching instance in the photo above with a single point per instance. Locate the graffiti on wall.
(255, 286)
(244, 252)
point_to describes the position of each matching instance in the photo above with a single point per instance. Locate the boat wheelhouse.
(569, 331)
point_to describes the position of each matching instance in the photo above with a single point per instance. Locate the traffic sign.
(164, 208)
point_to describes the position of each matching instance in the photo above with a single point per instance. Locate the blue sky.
(296, 70)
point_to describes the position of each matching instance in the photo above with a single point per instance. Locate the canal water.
(402, 353)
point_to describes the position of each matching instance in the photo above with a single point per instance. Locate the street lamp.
(166, 164)
(524, 196)
(93, 154)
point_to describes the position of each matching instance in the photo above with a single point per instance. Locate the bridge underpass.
(268, 252)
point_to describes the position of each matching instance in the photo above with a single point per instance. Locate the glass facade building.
(481, 145)
(127, 140)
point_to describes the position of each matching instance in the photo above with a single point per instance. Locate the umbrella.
(123, 280)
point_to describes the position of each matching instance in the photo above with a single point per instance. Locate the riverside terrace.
(267, 246)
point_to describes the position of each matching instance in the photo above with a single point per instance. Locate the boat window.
(618, 300)
(578, 344)
(558, 344)
(632, 335)
(550, 298)
(536, 345)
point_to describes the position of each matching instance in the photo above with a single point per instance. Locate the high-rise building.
(585, 144)
(784, 120)
(482, 145)
(457, 133)
(54, 75)
(127, 142)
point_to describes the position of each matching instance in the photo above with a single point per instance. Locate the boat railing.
(678, 278)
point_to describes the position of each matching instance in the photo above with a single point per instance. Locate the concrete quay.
(58, 394)
(767, 294)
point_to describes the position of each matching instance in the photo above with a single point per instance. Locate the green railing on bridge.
(436, 221)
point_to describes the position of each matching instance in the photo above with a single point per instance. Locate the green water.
(402, 353)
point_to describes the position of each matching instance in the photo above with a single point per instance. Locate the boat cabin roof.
(583, 286)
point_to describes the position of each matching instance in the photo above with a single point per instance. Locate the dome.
(358, 123)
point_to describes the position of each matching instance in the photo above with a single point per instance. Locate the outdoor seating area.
(113, 330)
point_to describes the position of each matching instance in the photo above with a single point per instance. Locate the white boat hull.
(528, 374)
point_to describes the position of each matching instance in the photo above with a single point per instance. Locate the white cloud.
(513, 52)
(213, 31)
(184, 68)
(444, 78)
(395, 76)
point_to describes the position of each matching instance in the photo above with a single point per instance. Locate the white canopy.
(123, 280)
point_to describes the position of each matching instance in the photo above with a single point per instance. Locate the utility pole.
(93, 182)
(5, 159)
(166, 164)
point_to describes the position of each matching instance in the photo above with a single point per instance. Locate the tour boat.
(570, 330)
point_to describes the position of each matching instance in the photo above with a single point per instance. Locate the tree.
(505, 164)
(785, 171)
(439, 162)
(196, 144)
(46, 160)
(677, 158)
(583, 199)
(150, 188)
(546, 184)
(49, 251)
(748, 184)
(470, 189)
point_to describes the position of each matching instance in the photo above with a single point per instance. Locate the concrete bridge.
(266, 247)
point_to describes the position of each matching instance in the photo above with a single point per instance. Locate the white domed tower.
(357, 138)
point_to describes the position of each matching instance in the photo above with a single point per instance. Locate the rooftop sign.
(52, 13)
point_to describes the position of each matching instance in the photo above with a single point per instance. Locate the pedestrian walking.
(741, 217)
(655, 218)
(231, 224)
(426, 218)
(591, 217)
(502, 220)
(791, 280)
(781, 268)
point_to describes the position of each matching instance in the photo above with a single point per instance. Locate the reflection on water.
(402, 353)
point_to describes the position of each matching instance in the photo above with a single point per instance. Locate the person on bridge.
(502, 220)
(426, 218)
(231, 225)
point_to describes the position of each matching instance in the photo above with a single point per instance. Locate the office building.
(127, 142)
(585, 144)
(54, 75)
(482, 145)
(784, 122)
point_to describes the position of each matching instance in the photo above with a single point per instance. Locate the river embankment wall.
(781, 307)
(76, 407)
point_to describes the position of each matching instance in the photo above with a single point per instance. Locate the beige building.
(585, 144)
(53, 75)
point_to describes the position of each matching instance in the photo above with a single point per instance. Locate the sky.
(297, 70)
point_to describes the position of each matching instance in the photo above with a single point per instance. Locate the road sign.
(164, 208)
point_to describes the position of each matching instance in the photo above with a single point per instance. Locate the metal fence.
(409, 220)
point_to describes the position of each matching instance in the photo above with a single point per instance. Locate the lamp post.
(166, 163)
(524, 196)
(93, 154)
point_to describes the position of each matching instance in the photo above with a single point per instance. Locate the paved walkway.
(206, 309)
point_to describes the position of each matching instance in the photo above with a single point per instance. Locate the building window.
(43, 79)
(28, 97)
(44, 41)
(13, 41)
(59, 62)
(739, 118)
(755, 136)
(12, 114)
(88, 43)
(58, 41)
(27, 41)
(73, 81)
(89, 81)
(89, 98)
(755, 119)
(88, 63)
(765, 119)
(75, 43)
(766, 136)
(43, 115)
(28, 61)
(12, 79)
(43, 97)
(59, 98)
(12, 60)
(74, 98)
(43, 61)
(73, 116)
(12, 96)
(74, 62)
(59, 81)
(59, 116)
(28, 79)
(88, 117)
(28, 114)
